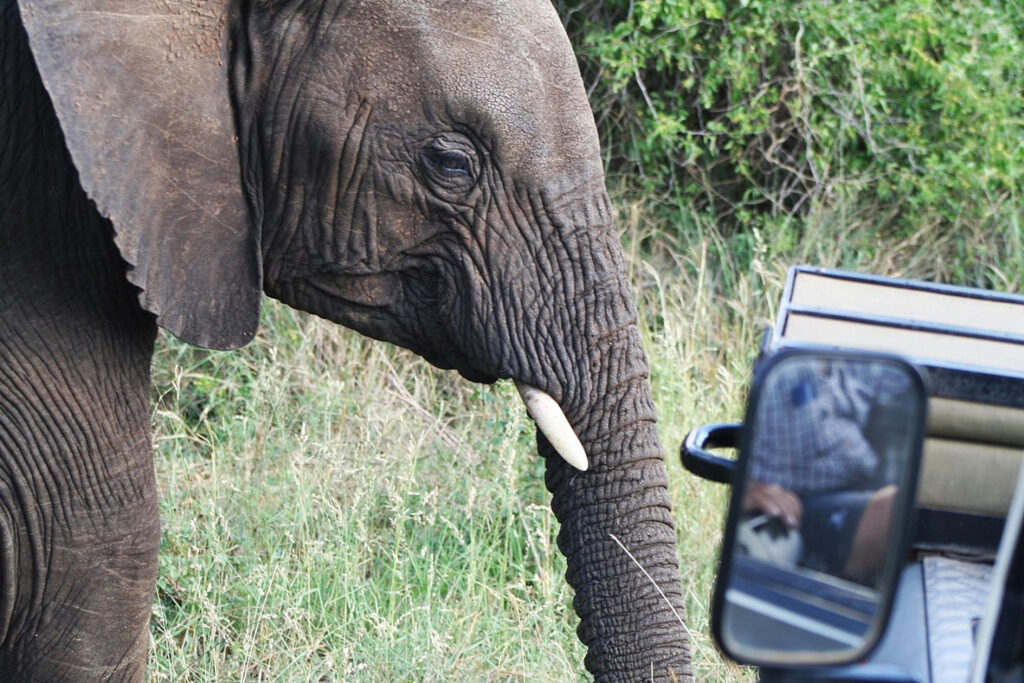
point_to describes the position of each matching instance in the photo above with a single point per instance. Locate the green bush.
(754, 113)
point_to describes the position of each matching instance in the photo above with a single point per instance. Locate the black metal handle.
(697, 459)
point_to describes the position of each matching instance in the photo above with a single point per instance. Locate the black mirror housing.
(821, 509)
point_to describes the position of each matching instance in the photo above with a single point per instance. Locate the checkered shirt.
(809, 424)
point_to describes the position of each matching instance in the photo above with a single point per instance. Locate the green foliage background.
(760, 114)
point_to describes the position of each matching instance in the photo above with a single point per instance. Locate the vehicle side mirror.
(823, 494)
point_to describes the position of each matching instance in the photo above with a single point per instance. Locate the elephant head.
(426, 173)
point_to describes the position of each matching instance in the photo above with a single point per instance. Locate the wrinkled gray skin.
(425, 173)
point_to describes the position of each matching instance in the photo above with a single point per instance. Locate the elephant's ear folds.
(141, 91)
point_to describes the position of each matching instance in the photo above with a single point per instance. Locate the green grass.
(335, 509)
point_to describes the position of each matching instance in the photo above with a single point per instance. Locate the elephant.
(425, 173)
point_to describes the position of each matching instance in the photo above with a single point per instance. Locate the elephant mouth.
(548, 416)
(471, 374)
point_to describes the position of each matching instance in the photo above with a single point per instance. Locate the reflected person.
(814, 468)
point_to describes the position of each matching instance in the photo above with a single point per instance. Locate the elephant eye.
(450, 163)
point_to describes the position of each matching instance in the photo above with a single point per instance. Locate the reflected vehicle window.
(820, 493)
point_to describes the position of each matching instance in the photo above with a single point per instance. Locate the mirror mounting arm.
(697, 459)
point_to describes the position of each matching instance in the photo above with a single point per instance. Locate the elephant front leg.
(77, 591)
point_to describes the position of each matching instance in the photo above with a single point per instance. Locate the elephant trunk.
(616, 525)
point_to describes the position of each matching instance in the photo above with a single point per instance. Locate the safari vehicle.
(874, 529)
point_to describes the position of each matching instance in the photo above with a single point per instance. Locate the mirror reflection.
(827, 453)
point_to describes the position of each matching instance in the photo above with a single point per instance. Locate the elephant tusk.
(551, 421)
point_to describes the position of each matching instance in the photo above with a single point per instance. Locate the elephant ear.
(141, 92)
